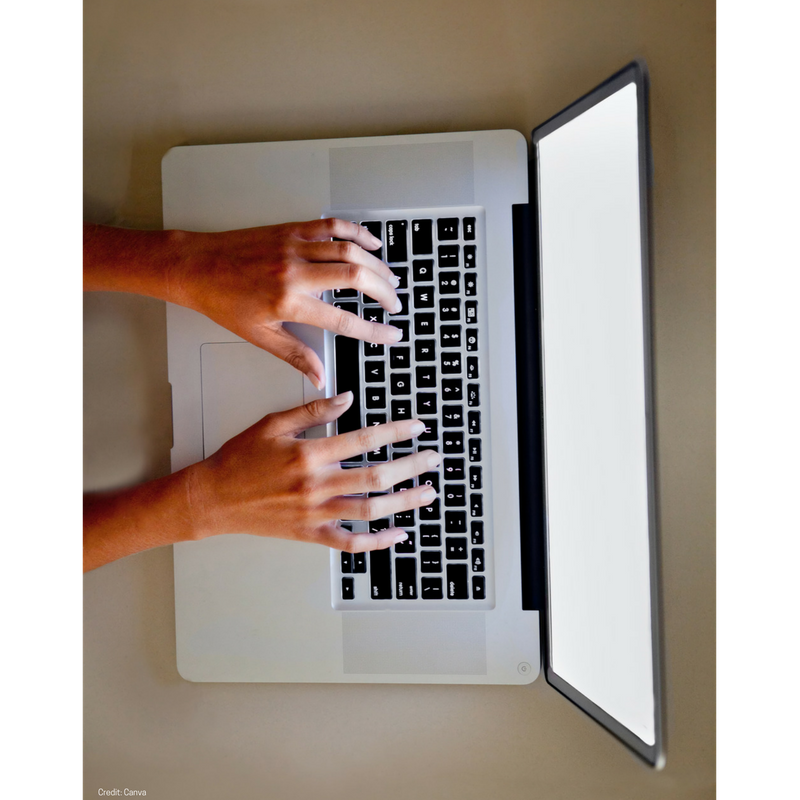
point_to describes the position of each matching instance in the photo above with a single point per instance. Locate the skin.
(266, 481)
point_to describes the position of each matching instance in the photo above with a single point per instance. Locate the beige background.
(164, 72)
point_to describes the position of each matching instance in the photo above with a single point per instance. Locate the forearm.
(141, 262)
(119, 523)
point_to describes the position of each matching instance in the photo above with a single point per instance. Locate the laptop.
(524, 281)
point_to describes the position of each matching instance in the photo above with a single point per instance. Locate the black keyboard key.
(376, 525)
(372, 349)
(406, 444)
(401, 409)
(403, 486)
(450, 310)
(402, 274)
(421, 237)
(347, 379)
(476, 528)
(430, 561)
(408, 546)
(340, 294)
(375, 227)
(479, 587)
(452, 416)
(348, 589)
(376, 398)
(476, 477)
(425, 350)
(469, 229)
(471, 309)
(381, 454)
(472, 368)
(423, 447)
(374, 371)
(403, 312)
(474, 423)
(375, 419)
(426, 403)
(430, 479)
(424, 324)
(422, 270)
(432, 589)
(430, 513)
(473, 395)
(472, 340)
(474, 449)
(423, 297)
(430, 535)
(453, 469)
(426, 377)
(448, 256)
(400, 357)
(380, 574)
(476, 505)
(455, 521)
(447, 228)
(347, 563)
(351, 308)
(365, 298)
(478, 560)
(469, 256)
(406, 578)
(449, 283)
(451, 363)
(455, 548)
(431, 432)
(401, 383)
(450, 335)
(403, 325)
(457, 588)
(452, 389)
(453, 442)
(455, 494)
(396, 246)
(359, 562)
(374, 315)
(471, 284)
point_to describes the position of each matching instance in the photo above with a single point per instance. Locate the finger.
(341, 539)
(382, 477)
(277, 340)
(323, 315)
(318, 230)
(317, 412)
(353, 276)
(347, 252)
(353, 443)
(378, 506)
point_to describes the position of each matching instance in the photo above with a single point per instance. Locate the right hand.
(268, 482)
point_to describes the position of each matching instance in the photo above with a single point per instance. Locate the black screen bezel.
(636, 73)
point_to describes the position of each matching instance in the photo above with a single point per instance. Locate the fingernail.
(433, 459)
(401, 537)
(417, 427)
(319, 382)
(427, 495)
(395, 281)
(397, 335)
(341, 399)
(398, 306)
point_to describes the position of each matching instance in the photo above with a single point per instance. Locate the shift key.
(380, 574)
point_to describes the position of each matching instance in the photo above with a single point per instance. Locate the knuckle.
(349, 545)
(345, 323)
(348, 251)
(365, 440)
(377, 479)
(295, 359)
(355, 274)
(369, 508)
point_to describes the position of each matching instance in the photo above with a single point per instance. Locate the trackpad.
(241, 383)
(414, 642)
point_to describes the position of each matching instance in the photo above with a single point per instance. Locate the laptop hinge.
(526, 293)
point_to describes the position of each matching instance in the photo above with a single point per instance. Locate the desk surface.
(160, 73)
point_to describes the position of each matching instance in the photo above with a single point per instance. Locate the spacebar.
(347, 379)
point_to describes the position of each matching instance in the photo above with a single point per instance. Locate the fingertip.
(345, 398)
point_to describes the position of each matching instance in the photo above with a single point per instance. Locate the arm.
(267, 482)
(251, 281)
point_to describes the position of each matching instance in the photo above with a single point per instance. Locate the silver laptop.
(526, 350)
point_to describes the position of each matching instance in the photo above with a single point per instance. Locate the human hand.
(267, 482)
(251, 281)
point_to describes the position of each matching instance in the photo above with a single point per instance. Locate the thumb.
(317, 412)
(277, 340)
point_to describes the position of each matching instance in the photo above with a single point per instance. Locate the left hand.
(251, 281)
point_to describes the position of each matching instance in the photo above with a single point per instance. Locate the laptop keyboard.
(436, 373)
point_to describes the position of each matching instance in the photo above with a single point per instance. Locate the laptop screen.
(597, 442)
